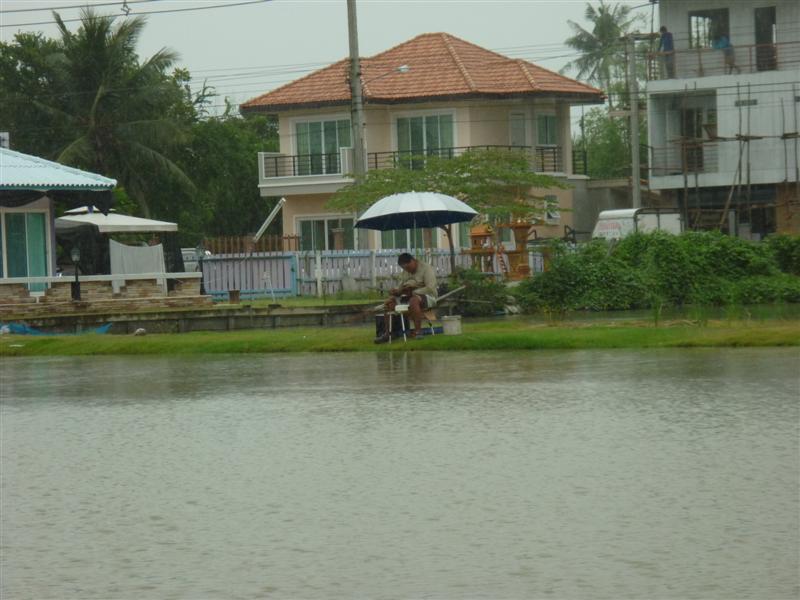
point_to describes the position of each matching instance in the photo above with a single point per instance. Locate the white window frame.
(546, 113)
(326, 217)
(295, 151)
(406, 114)
(525, 121)
(552, 216)
(47, 232)
(293, 121)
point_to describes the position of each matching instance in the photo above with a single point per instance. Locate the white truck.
(617, 224)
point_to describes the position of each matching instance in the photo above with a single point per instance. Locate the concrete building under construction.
(723, 117)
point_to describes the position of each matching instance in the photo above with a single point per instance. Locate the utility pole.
(356, 102)
(633, 90)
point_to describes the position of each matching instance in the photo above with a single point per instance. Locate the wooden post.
(318, 272)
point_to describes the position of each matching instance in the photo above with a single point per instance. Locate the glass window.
(516, 122)
(418, 136)
(707, 27)
(36, 244)
(26, 246)
(15, 245)
(552, 214)
(404, 239)
(546, 130)
(432, 141)
(318, 144)
(327, 234)
(312, 235)
(340, 234)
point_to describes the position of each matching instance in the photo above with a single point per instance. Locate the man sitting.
(417, 288)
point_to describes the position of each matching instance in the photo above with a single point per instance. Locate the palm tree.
(116, 108)
(602, 60)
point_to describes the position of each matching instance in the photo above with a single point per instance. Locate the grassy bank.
(496, 335)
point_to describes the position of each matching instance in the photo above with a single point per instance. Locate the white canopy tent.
(113, 222)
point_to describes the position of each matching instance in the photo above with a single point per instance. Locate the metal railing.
(281, 165)
(704, 62)
(689, 156)
(580, 163)
(543, 159)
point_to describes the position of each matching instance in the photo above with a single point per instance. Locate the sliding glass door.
(421, 136)
(25, 240)
(332, 233)
(318, 144)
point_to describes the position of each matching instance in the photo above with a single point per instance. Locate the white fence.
(279, 274)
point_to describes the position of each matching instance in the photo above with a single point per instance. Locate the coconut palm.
(602, 60)
(116, 107)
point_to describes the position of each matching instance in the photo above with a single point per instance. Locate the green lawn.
(512, 334)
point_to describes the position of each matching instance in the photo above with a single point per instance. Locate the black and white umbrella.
(410, 210)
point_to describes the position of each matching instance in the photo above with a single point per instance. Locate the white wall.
(674, 14)
(775, 113)
(476, 123)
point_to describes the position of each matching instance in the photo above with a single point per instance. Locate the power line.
(57, 8)
(149, 12)
(342, 108)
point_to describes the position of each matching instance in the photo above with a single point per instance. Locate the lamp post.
(75, 255)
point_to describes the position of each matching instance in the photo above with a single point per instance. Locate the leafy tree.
(220, 158)
(102, 108)
(607, 144)
(602, 60)
(497, 183)
(26, 73)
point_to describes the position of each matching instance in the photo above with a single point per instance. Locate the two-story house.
(723, 114)
(435, 93)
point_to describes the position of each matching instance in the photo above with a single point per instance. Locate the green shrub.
(659, 269)
(483, 296)
(767, 290)
(786, 251)
(726, 256)
(587, 277)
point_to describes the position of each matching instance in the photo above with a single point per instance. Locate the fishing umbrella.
(410, 210)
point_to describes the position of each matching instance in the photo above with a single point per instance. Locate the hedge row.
(659, 269)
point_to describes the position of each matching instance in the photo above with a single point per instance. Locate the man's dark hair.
(663, 29)
(404, 259)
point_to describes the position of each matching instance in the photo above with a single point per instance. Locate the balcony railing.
(704, 62)
(580, 164)
(281, 165)
(689, 156)
(543, 159)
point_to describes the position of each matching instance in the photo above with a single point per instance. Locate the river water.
(571, 474)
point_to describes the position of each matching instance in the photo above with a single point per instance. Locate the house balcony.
(707, 62)
(686, 157)
(281, 174)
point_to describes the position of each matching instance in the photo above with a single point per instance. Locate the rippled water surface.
(659, 474)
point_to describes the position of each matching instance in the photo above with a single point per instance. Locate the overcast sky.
(247, 50)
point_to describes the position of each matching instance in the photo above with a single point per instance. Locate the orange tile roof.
(441, 66)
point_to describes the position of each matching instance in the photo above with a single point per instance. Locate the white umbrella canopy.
(409, 210)
(113, 222)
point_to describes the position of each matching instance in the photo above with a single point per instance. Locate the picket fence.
(280, 274)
